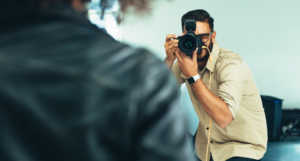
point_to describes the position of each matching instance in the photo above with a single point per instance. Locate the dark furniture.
(291, 116)
(273, 111)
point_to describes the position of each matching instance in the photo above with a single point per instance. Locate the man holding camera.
(232, 120)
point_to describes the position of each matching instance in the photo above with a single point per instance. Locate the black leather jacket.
(68, 92)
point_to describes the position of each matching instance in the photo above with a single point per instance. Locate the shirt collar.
(214, 53)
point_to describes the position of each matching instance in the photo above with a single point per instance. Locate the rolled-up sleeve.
(233, 81)
(176, 71)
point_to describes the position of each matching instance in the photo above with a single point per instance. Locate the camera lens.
(188, 44)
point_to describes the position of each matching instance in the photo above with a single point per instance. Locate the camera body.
(189, 42)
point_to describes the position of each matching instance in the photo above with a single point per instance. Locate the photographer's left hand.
(188, 66)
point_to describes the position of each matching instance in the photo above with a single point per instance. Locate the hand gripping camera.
(189, 42)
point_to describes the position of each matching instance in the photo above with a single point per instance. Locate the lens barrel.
(187, 44)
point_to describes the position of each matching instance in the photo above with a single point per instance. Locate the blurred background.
(266, 34)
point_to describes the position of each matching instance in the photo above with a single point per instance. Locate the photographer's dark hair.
(198, 15)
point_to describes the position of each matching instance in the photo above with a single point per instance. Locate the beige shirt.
(232, 81)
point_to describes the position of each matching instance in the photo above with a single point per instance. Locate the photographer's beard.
(204, 55)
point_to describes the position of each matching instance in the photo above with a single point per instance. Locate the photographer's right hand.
(170, 46)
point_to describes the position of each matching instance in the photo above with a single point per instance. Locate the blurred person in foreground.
(232, 123)
(69, 91)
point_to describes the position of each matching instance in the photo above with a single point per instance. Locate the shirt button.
(207, 128)
(211, 142)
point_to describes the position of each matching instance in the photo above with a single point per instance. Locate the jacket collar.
(14, 14)
(16, 17)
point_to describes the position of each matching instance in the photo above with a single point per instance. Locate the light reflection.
(109, 21)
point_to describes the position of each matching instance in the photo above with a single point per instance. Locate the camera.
(189, 42)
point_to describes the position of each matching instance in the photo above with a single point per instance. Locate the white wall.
(265, 33)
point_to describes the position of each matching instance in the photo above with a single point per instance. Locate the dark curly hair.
(140, 6)
(198, 15)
